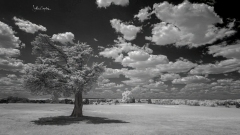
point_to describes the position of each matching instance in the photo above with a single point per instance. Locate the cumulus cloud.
(224, 81)
(187, 24)
(179, 66)
(102, 80)
(28, 26)
(113, 73)
(109, 85)
(169, 77)
(129, 31)
(11, 84)
(224, 66)
(138, 90)
(11, 64)
(141, 74)
(116, 52)
(151, 62)
(220, 87)
(228, 86)
(9, 52)
(195, 87)
(135, 82)
(8, 49)
(143, 14)
(156, 85)
(63, 37)
(164, 34)
(7, 37)
(191, 79)
(107, 3)
(140, 77)
(230, 51)
(11, 79)
(138, 55)
(113, 52)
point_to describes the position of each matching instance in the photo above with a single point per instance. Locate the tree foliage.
(61, 68)
(127, 97)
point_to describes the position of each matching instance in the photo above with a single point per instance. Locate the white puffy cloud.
(135, 82)
(9, 52)
(191, 79)
(119, 86)
(143, 14)
(28, 26)
(115, 51)
(163, 34)
(169, 77)
(119, 91)
(138, 90)
(173, 89)
(224, 66)
(179, 66)
(156, 85)
(11, 64)
(107, 3)
(195, 87)
(151, 62)
(228, 86)
(8, 49)
(10, 80)
(7, 37)
(230, 51)
(140, 77)
(102, 80)
(113, 73)
(63, 37)
(224, 81)
(141, 74)
(221, 87)
(129, 31)
(109, 85)
(138, 55)
(11, 84)
(187, 24)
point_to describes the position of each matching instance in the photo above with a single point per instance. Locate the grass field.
(123, 119)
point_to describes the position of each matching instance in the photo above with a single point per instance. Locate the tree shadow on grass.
(67, 120)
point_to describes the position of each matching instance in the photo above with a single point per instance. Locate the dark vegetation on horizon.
(101, 101)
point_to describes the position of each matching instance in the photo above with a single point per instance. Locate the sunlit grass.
(123, 119)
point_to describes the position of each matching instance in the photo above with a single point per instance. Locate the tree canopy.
(61, 68)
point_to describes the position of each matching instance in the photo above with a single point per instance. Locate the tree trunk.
(78, 104)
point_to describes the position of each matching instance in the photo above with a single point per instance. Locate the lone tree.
(62, 68)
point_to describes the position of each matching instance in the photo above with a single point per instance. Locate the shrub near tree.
(62, 68)
(149, 101)
(127, 97)
(237, 104)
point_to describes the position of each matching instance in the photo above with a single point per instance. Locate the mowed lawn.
(123, 119)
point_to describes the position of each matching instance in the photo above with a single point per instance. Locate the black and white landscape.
(119, 67)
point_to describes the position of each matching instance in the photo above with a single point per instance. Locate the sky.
(153, 48)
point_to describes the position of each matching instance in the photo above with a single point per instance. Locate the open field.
(123, 119)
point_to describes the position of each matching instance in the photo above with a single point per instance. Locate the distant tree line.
(102, 101)
(210, 103)
(12, 99)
